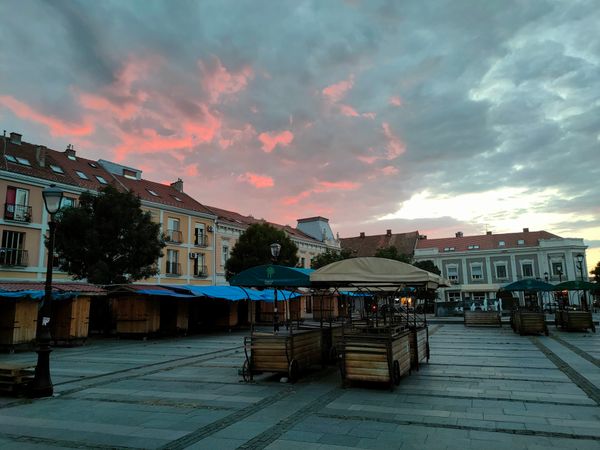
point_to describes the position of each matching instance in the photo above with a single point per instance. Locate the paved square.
(483, 389)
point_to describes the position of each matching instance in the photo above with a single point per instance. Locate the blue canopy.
(272, 275)
(37, 294)
(268, 295)
(232, 293)
(163, 292)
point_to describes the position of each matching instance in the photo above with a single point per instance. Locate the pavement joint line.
(218, 425)
(585, 355)
(472, 377)
(497, 399)
(583, 383)
(158, 402)
(487, 366)
(63, 443)
(536, 433)
(276, 431)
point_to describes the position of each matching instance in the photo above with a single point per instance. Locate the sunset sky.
(436, 116)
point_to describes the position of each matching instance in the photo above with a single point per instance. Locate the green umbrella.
(575, 285)
(528, 285)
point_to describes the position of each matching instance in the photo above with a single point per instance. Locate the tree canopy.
(254, 249)
(596, 272)
(108, 239)
(392, 253)
(427, 265)
(330, 256)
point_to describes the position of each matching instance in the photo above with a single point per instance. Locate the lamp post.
(546, 277)
(275, 249)
(579, 258)
(41, 385)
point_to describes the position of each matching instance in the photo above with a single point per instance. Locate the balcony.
(14, 257)
(201, 272)
(18, 213)
(201, 240)
(174, 236)
(173, 268)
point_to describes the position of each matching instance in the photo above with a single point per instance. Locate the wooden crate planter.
(529, 322)
(137, 316)
(286, 353)
(70, 320)
(574, 320)
(482, 319)
(419, 346)
(369, 357)
(15, 377)
(18, 322)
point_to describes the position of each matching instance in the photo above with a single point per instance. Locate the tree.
(427, 265)
(596, 272)
(330, 256)
(108, 239)
(253, 249)
(392, 253)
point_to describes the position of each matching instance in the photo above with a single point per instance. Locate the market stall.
(528, 318)
(378, 348)
(569, 318)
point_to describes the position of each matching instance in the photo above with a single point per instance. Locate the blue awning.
(164, 293)
(231, 293)
(36, 294)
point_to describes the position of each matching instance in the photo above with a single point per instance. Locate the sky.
(440, 117)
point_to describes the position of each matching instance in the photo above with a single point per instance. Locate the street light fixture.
(579, 257)
(546, 277)
(275, 249)
(41, 385)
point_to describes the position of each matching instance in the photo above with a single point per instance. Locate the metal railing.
(201, 271)
(174, 236)
(173, 268)
(19, 213)
(201, 240)
(13, 257)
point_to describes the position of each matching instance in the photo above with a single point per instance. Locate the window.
(200, 237)
(473, 247)
(476, 271)
(23, 161)
(153, 193)
(17, 206)
(12, 252)
(94, 165)
(67, 202)
(557, 269)
(501, 272)
(302, 262)
(501, 244)
(10, 158)
(176, 198)
(224, 254)
(173, 233)
(521, 242)
(81, 175)
(200, 269)
(454, 296)
(527, 269)
(452, 272)
(101, 179)
(72, 157)
(56, 169)
(131, 174)
(173, 267)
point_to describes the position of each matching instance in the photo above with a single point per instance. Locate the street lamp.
(275, 249)
(579, 258)
(41, 385)
(546, 280)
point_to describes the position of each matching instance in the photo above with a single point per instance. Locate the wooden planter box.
(288, 353)
(18, 322)
(419, 346)
(137, 316)
(70, 320)
(482, 319)
(382, 358)
(529, 322)
(574, 320)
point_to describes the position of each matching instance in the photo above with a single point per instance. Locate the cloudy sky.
(432, 116)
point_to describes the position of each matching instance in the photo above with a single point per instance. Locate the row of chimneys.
(458, 234)
(388, 233)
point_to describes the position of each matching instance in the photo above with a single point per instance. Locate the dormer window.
(501, 243)
(153, 193)
(72, 157)
(56, 169)
(23, 161)
(521, 242)
(101, 179)
(177, 198)
(473, 247)
(81, 175)
(10, 158)
(94, 165)
(130, 174)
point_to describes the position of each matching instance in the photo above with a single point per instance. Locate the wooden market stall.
(571, 319)
(378, 349)
(18, 320)
(528, 318)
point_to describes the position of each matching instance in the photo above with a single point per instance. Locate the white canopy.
(374, 272)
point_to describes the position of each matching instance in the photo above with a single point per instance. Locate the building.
(363, 245)
(478, 266)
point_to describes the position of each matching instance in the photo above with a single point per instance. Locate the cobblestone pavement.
(483, 389)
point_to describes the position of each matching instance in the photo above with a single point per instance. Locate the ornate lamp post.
(579, 258)
(546, 278)
(275, 249)
(41, 386)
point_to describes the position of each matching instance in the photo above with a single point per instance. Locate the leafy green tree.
(427, 265)
(108, 239)
(254, 249)
(330, 256)
(596, 272)
(392, 253)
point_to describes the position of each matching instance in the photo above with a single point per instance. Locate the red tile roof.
(487, 241)
(87, 288)
(368, 245)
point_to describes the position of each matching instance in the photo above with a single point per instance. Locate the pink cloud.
(322, 186)
(271, 140)
(349, 111)
(368, 159)
(98, 103)
(218, 81)
(191, 170)
(390, 170)
(395, 146)
(258, 181)
(57, 127)
(150, 142)
(335, 92)
(395, 101)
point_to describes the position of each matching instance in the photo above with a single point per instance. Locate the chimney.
(459, 234)
(388, 233)
(525, 230)
(178, 185)
(70, 151)
(362, 234)
(15, 138)
(488, 233)
(422, 237)
(40, 155)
